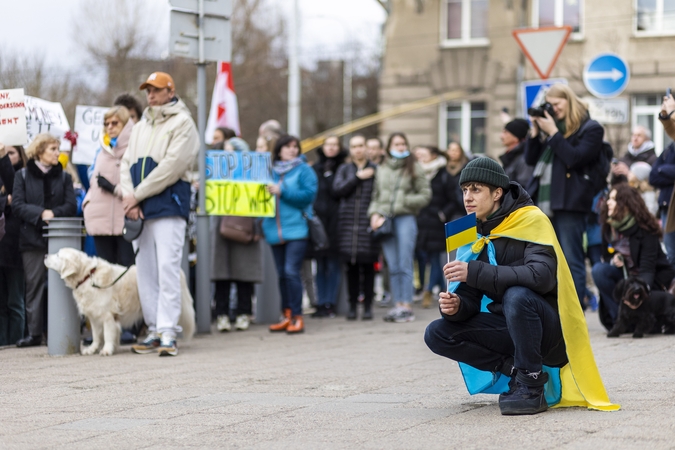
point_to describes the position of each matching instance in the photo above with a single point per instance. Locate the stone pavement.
(340, 385)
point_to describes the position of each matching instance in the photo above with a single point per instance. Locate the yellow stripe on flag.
(457, 240)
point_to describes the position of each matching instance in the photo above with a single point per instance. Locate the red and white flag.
(224, 109)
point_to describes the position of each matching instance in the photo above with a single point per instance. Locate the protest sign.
(236, 184)
(89, 126)
(12, 117)
(46, 117)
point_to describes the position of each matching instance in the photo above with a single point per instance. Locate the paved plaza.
(340, 385)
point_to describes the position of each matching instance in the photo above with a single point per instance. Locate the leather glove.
(104, 184)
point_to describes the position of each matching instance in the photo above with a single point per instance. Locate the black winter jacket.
(519, 263)
(446, 198)
(355, 242)
(515, 166)
(9, 245)
(326, 202)
(570, 185)
(35, 191)
(662, 175)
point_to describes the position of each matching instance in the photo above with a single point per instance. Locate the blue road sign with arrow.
(606, 75)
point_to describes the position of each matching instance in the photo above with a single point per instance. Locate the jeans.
(668, 240)
(436, 277)
(12, 308)
(288, 259)
(569, 227)
(328, 278)
(529, 331)
(399, 251)
(605, 277)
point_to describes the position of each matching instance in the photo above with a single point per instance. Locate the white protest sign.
(12, 117)
(89, 126)
(46, 117)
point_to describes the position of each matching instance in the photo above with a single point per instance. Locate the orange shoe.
(297, 325)
(285, 322)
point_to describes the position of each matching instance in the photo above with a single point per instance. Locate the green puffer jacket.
(411, 196)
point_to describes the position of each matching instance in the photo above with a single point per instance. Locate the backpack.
(598, 170)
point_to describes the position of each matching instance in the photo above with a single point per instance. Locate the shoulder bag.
(317, 233)
(238, 229)
(387, 228)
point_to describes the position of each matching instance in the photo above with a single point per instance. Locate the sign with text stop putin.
(542, 46)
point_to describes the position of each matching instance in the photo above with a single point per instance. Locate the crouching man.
(510, 304)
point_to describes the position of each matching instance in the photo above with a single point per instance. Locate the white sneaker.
(242, 322)
(223, 323)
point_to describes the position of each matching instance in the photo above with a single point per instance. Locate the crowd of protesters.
(383, 207)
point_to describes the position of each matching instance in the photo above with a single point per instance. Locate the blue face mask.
(399, 155)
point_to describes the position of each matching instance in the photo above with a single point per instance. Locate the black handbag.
(317, 233)
(132, 229)
(387, 228)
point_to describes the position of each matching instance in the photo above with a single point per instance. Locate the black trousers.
(115, 250)
(360, 278)
(36, 281)
(244, 297)
(529, 331)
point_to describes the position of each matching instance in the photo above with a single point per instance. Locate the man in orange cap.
(154, 177)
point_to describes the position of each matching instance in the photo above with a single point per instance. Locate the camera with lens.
(538, 111)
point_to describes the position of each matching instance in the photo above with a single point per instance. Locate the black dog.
(641, 310)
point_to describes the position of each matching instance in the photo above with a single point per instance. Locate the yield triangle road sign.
(542, 46)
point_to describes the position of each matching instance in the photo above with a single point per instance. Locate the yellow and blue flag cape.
(578, 383)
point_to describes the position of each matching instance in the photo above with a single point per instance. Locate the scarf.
(283, 167)
(645, 147)
(578, 383)
(432, 167)
(543, 171)
(623, 224)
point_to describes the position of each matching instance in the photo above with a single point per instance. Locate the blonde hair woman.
(563, 147)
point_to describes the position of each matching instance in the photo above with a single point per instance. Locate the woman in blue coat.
(295, 189)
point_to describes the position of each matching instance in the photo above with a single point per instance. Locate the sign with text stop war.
(89, 128)
(12, 117)
(236, 184)
(46, 117)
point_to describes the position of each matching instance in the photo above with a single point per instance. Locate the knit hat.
(486, 171)
(518, 128)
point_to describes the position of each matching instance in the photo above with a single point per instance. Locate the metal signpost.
(606, 75)
(201, 30)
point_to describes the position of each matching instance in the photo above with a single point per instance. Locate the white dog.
(109, 305)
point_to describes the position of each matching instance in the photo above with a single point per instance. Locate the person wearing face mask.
(401, 190)
(42, 191)
(12, 308)
(563, 150)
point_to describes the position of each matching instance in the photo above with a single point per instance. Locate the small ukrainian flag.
(460, 232)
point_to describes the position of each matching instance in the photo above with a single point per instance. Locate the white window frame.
(659, 22)
(558, 17)
(466, 40)
(465, 117)
(653, 110)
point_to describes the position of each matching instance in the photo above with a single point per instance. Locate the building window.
(655, 16)
(465, 22)
(556, 13)
(466, 123)
(646, 109)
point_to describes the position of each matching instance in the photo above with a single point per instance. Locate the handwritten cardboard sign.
(46, 117)
(236, 184)
(89, 127)
(12, 117)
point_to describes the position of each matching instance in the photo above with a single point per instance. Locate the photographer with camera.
(565, 147)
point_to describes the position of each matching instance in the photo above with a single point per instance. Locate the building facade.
(437, 46)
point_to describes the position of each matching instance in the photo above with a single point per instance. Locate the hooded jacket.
(103, 211)
(392, 182)
(156, 166)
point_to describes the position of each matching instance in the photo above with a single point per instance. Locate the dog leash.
(116, 279)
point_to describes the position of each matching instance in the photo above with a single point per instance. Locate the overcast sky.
(329, 27)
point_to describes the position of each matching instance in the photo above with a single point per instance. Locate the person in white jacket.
(155, 180)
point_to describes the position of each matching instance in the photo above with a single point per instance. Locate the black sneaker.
(525, 396)
(324, 311)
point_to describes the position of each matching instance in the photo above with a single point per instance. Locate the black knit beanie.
(518, 128)
(486, 171)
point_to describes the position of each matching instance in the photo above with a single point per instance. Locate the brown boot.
(297, 325)
(285, 322)
(426, 300)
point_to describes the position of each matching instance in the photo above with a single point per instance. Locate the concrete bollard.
(268, 299)
(63, 319)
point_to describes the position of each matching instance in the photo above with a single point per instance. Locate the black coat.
(326, 202)
(519, 263)
(572, 156)
(662, 175)
(515, 166)
(9, 245)
(355, 242)
(35, 191)
(446, 199)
